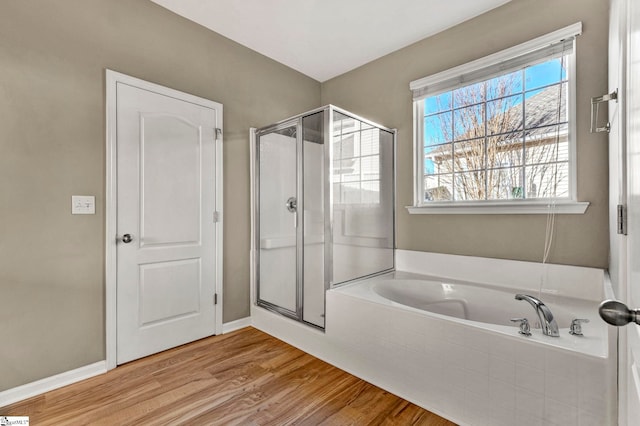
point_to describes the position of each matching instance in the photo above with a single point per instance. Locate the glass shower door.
(277, 212)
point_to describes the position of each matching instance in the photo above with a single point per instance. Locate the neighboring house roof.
(541, 109)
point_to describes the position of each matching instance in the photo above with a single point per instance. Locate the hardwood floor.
(242, 378)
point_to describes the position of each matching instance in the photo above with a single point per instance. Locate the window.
(499, 131)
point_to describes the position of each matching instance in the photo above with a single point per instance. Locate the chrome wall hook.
(595, 107)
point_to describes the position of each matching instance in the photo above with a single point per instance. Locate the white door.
(632, 97)
(624, 161)
(166, 219)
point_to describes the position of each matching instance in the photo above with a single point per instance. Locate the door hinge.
(216, 217)
(215, 299)
(218, 133)
(622, 219)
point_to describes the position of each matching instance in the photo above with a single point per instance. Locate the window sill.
(501, 207)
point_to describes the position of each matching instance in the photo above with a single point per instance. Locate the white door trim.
(112, 78)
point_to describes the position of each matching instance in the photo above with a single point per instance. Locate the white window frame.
(486, 68)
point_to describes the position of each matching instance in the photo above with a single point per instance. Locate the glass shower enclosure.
(323, 198)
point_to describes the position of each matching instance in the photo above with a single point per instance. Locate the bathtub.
(488, 307)
(450, 347)
(470, 302)
(439, 334)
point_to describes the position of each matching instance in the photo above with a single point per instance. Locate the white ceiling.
(326, 38)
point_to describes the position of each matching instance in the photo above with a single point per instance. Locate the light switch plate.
(83, 204)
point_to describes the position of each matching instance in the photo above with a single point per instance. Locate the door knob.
(616, 313)
(127, 238)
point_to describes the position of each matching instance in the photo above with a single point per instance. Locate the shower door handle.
(292, 204)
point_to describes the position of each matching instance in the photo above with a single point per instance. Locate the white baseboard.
(228, 327)
(38, 387)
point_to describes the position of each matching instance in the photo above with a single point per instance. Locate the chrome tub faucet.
(547, 322)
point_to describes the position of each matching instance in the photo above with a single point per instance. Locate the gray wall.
(380, 91)
(52, 143)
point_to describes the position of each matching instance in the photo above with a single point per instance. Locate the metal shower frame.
(328, 142)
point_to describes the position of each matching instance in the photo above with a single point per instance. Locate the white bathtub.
(487, 307)
(472, 302)
(464, 360)
(450, 347)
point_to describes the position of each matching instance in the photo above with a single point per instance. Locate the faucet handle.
(525, 330)
(576, 326)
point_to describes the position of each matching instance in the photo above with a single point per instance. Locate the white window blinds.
(555, 44)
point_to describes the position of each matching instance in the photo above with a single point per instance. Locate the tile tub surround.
(464, 371)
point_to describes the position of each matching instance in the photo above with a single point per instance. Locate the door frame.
(112, 79)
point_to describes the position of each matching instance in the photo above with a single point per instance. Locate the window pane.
(370, 142)
(351, 193)
(370, 167)
(546, 73)
(548, 180)
(438, 159)
(505, 184)
(437, 103)
(504, 151)
(504, 115)
(468, 95)
(349, 146)
(437, 188)
(343, 124)
(438, 129)
(469, 155)
(470, 186)
(429, 166)
(546, 106)
(504, 85)
(468, 122)
(547, 144)
(350, 170)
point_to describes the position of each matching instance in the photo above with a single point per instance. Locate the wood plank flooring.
(242, 378)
